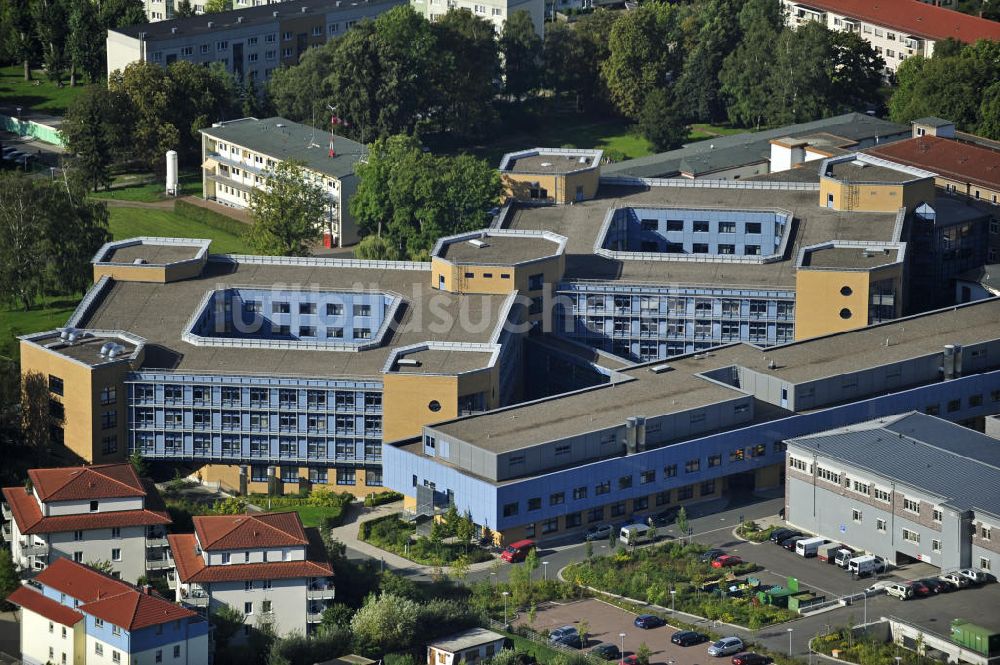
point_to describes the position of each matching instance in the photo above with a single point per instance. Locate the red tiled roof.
(102, 481)
(951, 159)
(237, 532)
(31, 600)
(191, 566)
(913, 17)
(109, 599)
(30, 520)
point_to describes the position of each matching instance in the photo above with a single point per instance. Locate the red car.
(727, 560)
(750, 658)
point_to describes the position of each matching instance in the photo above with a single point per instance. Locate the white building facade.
(497, 11)
(102, 513)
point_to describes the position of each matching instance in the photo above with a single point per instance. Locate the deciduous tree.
(661, 122)
(468, 70)
(36, 416)
(83, 48)
(9, 579)
(746, 72)
(521, 48)
(289, 216)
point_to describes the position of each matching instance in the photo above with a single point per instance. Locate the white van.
(635, 534)
(863, 566)
(809, 547)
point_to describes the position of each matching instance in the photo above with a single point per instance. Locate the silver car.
(726, 647)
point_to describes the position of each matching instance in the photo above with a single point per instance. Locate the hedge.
(210, 218)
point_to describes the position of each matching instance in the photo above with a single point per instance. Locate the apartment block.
(71, 613)
(249, 43)
(159, 10)
(238, 156)
(705, 425)
(496, 11)
(897, 29)
(262, 565)
(912, 487)
(101, 513)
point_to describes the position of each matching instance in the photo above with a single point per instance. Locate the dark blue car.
(647, 621)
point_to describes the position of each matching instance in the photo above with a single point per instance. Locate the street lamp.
(673, 596)
(790, 642)
(545, 570)
(505, 594)
(866, 608)
(622, 635)
(493, 578)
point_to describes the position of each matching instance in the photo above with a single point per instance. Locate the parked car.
(727, 646)
(781, 535)
(900, 590)
(750, 658)
(664, 518)
(599, 532)
(711, 555)
(974, 575)
(920, 589)
(647, 621)
(13, 155)
(936, 585)
(726, 561)
(606, 651)
(8, 151)
(882, 586)
(789, 543)
(573, 641)
(687, 638)
(517, 551)
(557, 634)
(956, 580)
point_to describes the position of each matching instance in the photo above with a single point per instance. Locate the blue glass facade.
(647, 322)
(258, 421)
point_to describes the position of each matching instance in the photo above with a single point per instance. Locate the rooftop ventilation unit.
(106, 348)
(546, 164)
(239, 19)
(115, 351)
(173, 31)
(660, 369)
(408, 362)
(476, 242)
(305, 9)
(211, 23)
(139, 262)
(583, 160)
(860, 164)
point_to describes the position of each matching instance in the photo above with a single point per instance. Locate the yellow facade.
(160, 274)
(229, 477)
(874, 197)
(83, 433)
(494, 279)
(559, 188)
(831, 301)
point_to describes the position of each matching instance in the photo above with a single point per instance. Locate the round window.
(845, 313)
(846, 290)
(434, 405)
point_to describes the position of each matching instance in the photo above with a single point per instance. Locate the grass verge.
(46, 97)
(131, 222)
(149, 191)
(47, 313)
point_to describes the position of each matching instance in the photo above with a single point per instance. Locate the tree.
(102, 565)
(287, 218)
(216, 6)
(298, 649)
(184, 9)
(51, 18)
(465, 530)
(583, 629)
(24, 45)
(531, 561)
(36, 414)
(521, 48)
(643, 654)
(9, 579)
(226, 621)
(682, 521)
(661, 122)
(119, 13)
(377, 248)
(385, 623)
(468, 67)
(83, 51)
(698, 84)
(799, 86)
(88, 131)
(746, 72)
(989, 113)
(337, 614)
(638, 61)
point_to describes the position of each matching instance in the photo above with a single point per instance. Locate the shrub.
(381, 498)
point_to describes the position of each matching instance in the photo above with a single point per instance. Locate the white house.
(87, 514)
(469, 646)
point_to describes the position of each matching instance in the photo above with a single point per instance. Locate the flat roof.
(284, 140)
(812, 225)
(86, 347)
(467, 639)
(499, 250)
(444, 361)
(160, 313)
(242, 18)
(560, 164)
(966, 463)
(681, 389)
(154, 254)
(849, 257)
(852, 171)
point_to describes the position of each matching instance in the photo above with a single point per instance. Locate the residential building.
(238, 156)
(752, 154)
(261, 368)
(158, 10)
(262, 565)
(71, 613)
(102, 513)
(249, 43)
(908, 488)
(702, 426)
(896, 29)
(496, 11)
(469, 646)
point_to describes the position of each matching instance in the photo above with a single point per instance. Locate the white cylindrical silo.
(172, 173)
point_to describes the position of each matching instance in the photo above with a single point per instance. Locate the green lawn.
(314, 515)
(45, 97)
(131, 222)
(143, 189)
(47, 314)
(701, 131)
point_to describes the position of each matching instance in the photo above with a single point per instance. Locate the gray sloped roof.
(926, 453)
(723, 152)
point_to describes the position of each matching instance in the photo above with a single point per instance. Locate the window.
(595, 515)
(602, 488)
(646, 477)
(535, 282)
(535, 503)
(618, 509)
(550, 525)
(226, 557)
(862, 488)
(557, 499)
(938, 515)
(685, 493)
(856, 515)
(510, 509)
(177, 649)
(701, 227)
(98, 648)
(55, 385)
(345, 476)
(984, 563)
(692, 466)
(880, 525)
(936, 545)
(109, 419)
(707, 488)
(116, 554)
(882, 495)
(78, 557)
(911, 536)
(248, 608)
(579, 493)
(670, 471)
(362, 310)
(714, 460)
(911, 505)
(625, 482)
(115, 656)
(985, 532)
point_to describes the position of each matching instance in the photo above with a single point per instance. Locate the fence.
(37, 130)
(532, 636)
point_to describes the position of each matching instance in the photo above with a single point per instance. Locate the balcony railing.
(7, 515)
(159, 564)
(156, 542)
(6, 531)
(196, 601)
(321, 593)
(314, 617)
(34, 549)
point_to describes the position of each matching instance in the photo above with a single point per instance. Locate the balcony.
(7, 515)
(196, 601)
(34, 549)
(314, 617)
(163, 563)
(156, 540)
(321, 592)
(6, 531)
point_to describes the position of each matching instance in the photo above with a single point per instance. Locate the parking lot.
(606, 622)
